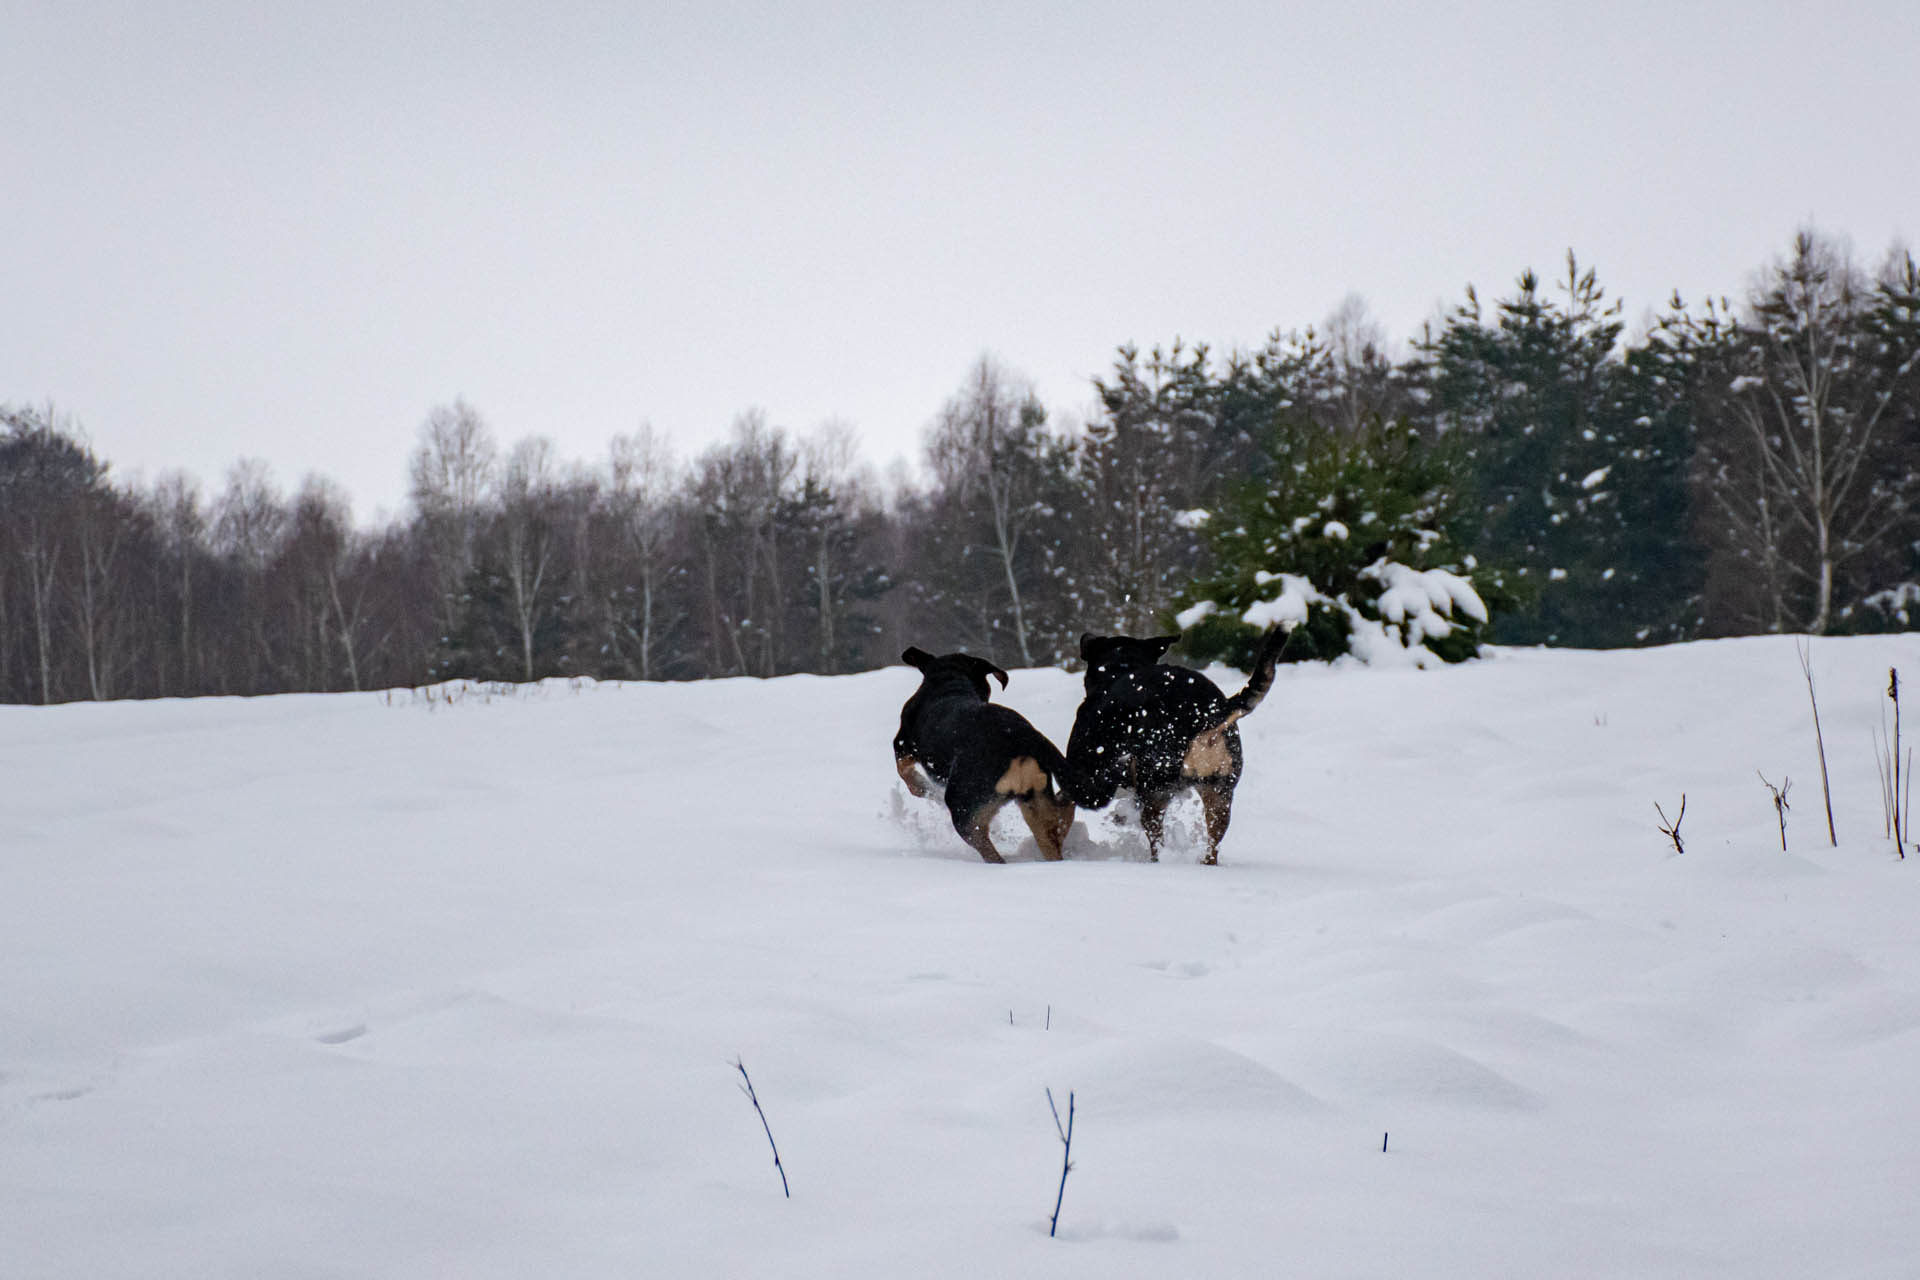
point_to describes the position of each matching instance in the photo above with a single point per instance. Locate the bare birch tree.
(737, 490)
(528, 495)
(180, 520)
(249, 518)
(452, 471)
(642, 478)
(100, 529)
(46, 477)
(981, 447)
(828, 497)
(1797, 435)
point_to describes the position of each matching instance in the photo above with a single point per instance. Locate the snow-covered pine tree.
(1576, 463)
(1345, 543)
(1145, 461)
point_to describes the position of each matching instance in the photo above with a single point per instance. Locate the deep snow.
(340, 986)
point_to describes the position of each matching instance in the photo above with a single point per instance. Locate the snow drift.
(361, 985)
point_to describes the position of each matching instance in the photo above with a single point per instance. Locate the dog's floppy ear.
(915, 656)
(1087, 641)
(985, 669)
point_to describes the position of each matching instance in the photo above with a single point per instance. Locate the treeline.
(1735, 469)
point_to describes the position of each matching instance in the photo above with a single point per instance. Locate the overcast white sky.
(288, 230)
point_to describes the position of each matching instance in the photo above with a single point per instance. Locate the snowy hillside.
(344, 986)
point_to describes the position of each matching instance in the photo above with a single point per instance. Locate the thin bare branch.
(1670, 827)
(1066, 1158)
(746, 1087)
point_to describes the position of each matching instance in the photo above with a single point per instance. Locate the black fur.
(975, 750)
(1156, 730)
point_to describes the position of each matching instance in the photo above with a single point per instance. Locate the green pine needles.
(1346, 540)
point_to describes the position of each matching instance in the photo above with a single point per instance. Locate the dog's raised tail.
(1260, 679)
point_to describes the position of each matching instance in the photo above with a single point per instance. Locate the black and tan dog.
(1157, 730)
(983, 755)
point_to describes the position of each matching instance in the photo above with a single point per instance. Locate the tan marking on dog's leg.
(1153, 820)
(910, 774)
(1049, 818)
(1209, 755)
(1217, 802)
(1023, 777)
(976, 831)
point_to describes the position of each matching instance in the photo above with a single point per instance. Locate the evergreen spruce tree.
(485, 642)
(1577, 461)
(1885, 594)
(1650, 593)
(1144, 462)
(1337, 509)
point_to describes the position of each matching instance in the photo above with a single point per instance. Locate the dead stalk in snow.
(1671, 828)
(746, 1087)
(1805, 649)
(1066, 1158)
(1780, 805)
(1896, 774)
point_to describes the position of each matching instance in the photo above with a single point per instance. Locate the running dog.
(1157, 730)
(981, 754)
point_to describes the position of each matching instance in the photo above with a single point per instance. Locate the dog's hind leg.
(910, 774)
(1216, 801)
(1049, 818)
(973, 827)
(1153, 820)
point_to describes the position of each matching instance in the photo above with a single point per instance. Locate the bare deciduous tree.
(46, 477)
(639, 496)
(100, 526)
(738, 490)
(249, 518)
(452, 471)
(829, 497)
(1795, 427)
(181, 522)
(981, 445)
(529, 497)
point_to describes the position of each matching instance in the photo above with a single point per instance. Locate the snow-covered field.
(355, 986)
